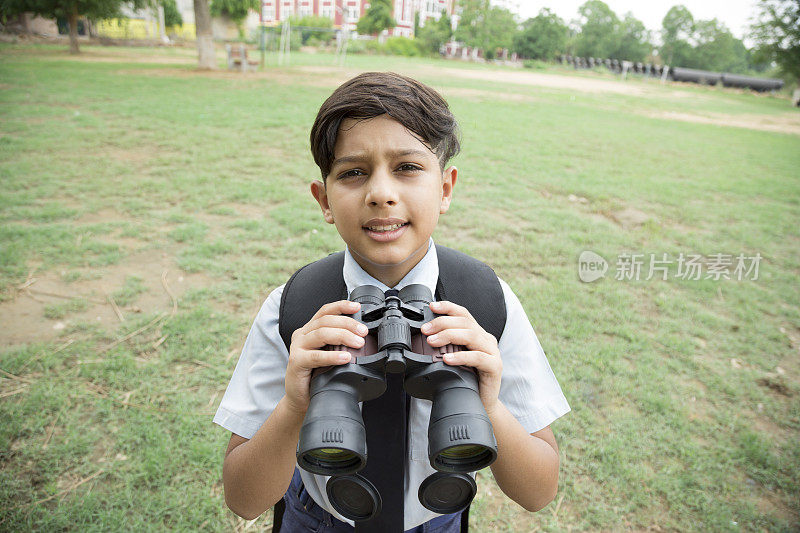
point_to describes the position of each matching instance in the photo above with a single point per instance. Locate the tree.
(677, 29)
(236, 10)
(71, 10)
(633, 40)
(313, 27)
(377, 18)
(542, 37)
(598, 35)
(434, 33)
(172, 17)
(717, 49)
(776, 33)
(485, 27)
(205, 37)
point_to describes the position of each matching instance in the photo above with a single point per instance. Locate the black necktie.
(386, 418)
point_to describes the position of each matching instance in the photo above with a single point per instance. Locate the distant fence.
(703, 77)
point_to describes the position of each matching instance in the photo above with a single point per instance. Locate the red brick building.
(345, 13)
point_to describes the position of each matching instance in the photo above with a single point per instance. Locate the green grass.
(685, 395)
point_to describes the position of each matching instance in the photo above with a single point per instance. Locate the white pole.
(161, 24)
(288, 42)
(281, 47)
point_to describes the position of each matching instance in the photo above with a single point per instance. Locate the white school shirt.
(528, 387)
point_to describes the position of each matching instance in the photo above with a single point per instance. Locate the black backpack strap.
(472, 284)
(465, 520)
(277, 516)
(308, 289)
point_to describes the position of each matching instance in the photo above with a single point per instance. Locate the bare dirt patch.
(774, 123)
(554, 81)
(629, 218)
(24, 320)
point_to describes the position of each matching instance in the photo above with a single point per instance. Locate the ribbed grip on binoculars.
(461, 442)
(333, 437)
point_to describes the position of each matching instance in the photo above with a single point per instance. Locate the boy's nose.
(381, 190)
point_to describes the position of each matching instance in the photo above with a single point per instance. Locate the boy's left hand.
(482, 353)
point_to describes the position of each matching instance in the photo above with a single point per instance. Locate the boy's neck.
(391, 275)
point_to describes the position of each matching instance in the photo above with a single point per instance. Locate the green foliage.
(434, 34)
(398, 46)
(402, 46)
(69, 10)
(777, 35)
(172, 17)
(603, 34)
(677, 29)
(702, 44)
(633, 39)
(312, 27)
(717, 49)
(93, 9)
(542, 37)
(485, 26)
(377, 18)
(598, 34)
(236, 10)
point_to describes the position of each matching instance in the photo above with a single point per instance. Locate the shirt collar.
(426, 272)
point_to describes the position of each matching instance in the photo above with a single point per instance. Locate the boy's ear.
(449, 177)
(321, 196)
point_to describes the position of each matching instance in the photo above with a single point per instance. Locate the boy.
(382, 142)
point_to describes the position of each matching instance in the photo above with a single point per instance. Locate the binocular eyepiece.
(333, 436)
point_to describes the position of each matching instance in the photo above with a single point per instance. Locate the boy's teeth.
(385, 228)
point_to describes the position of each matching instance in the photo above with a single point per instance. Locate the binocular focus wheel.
(447, 493)
(354, 497)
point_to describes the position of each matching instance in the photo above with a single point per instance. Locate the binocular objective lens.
(332, 457)
(466, 451)
(464, 458)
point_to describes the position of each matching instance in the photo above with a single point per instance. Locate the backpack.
(463, 280)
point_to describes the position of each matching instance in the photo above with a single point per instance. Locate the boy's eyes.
(405, 167)
(351, 173)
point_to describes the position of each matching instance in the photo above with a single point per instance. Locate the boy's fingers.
(478, 360)
(342, 307)
(321, 336)
(338, 321)
(470, 338)
(318, 358)
(449, 308)
(446, 322)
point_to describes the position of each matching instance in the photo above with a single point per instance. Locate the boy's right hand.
(327, 326)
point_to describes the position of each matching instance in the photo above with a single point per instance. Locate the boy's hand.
(481, 353)
(327, 326)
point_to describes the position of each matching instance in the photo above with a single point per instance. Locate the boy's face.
(384, 193)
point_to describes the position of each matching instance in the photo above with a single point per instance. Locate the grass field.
(146, 210)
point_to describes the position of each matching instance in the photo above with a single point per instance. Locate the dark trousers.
(303, 515)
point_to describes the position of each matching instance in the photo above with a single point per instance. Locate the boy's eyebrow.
(363, 156)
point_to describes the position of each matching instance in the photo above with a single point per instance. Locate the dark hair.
(414, 105)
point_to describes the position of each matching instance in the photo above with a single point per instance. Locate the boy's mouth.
(381, 229)
(385, 230)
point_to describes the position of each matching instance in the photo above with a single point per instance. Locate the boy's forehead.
(379, 133)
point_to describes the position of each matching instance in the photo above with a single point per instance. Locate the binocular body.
(333, 436)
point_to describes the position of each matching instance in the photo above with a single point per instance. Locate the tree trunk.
(73, 29)
(205, 39)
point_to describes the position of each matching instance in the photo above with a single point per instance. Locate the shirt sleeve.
(529, 388)
(258, 383)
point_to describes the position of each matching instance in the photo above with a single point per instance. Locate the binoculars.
(333, 436)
